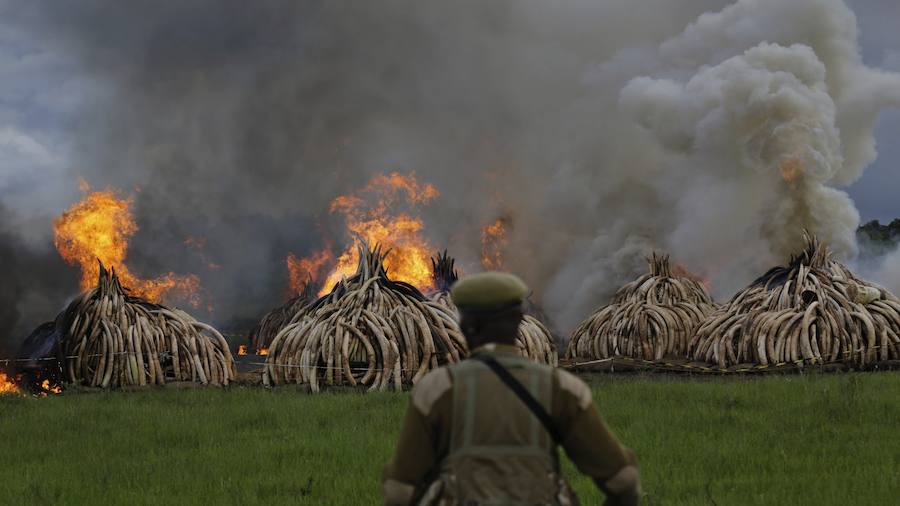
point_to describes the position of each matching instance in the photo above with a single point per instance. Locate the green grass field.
(814, 439)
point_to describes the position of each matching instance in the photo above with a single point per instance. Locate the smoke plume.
(598, 130)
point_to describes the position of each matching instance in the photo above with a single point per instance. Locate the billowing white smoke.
(761, 125)
(752, 117)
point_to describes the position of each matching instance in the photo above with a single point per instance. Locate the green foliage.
(815, 439)
(877, 239)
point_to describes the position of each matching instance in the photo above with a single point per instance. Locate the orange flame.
(681, 271)
(304, 270)
(7, 386)
(98, 228)
(792, 170)
(370, 214)
(493, 242)
(47, 388)
(242, 350)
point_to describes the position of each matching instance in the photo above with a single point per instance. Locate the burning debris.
(7, 385)
(369, 330)
(112, 339)
(292, 311)
(650, 318)
(534, 341)
(814, 310)
(38, 361)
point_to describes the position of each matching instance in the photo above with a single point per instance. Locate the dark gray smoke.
(34, 287)
(239, 122)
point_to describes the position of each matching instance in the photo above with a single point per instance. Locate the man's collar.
(497, 349)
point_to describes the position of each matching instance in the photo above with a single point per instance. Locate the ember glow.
(681, 271)
(791, 169)
(7, 385)
(493, 243)
(371, 214)
(50, 389)
(242, 350)
(98, 228)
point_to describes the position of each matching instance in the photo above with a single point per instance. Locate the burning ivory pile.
(264, 333)
(369, 330)
(534, 340)
(650, 318)
(115, 340)
(812, 310)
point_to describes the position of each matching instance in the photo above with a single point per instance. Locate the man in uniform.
(486, 430)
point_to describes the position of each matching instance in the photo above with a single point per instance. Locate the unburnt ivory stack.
(534, 340)
(369, 330)
(650, 318)
(812, 310)
(114, 340)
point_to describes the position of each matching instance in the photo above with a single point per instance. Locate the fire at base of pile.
(812, 310)
(270, 325)
(534, 341)
(114, 340)
(650, 318)
(369, 330)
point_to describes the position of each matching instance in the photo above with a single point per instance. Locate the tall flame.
(493, 243)
(371, 215)
(98, 228)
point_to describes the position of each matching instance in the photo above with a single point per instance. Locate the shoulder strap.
(522, 393)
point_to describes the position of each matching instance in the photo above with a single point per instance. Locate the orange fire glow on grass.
(371, 215)
(7, 385)
(98, 228)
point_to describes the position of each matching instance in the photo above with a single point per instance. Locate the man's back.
(468, 438)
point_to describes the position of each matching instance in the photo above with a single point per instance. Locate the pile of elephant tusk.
(264, 332)
(369, 330)
(650, 318)
(116, 340)
(813, 310)
(534, 341)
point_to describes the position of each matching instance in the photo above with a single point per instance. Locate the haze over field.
(713, 130)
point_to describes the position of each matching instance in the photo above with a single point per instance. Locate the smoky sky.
(238, 122)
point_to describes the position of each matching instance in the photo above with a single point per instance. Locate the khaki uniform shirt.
(425, 439)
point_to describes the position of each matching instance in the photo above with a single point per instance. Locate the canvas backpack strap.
(522, 393)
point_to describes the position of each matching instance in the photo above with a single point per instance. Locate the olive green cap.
(488, 290)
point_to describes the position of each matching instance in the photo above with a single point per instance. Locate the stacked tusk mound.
(812, 310)
(370, 330)
(650, 318)
(292, 311)
(114, 340)
(535, 341)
